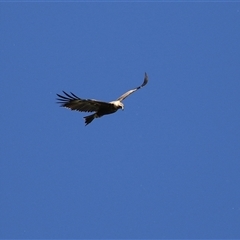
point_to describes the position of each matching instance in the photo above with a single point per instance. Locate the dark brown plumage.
(100, 108)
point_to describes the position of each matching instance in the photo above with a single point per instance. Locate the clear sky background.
(168, 166)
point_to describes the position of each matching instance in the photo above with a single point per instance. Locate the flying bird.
(100, 108)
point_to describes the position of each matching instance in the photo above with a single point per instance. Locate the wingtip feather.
(145, 81)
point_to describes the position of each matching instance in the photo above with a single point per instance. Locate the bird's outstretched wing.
(121, 98)
(83, 105)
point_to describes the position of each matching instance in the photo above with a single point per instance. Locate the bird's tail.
(89, 119)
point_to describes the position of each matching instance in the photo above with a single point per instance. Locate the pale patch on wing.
(121, 98)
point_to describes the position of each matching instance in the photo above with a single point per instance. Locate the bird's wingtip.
(145, 79)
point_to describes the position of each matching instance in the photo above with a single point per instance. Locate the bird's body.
(91, 105)
(112, 108)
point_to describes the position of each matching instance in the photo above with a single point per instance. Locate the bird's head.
(118, 104)
(121, 106)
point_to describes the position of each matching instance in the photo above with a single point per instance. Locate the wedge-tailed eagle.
(91, 105)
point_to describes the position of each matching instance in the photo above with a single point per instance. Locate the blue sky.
(165, 167)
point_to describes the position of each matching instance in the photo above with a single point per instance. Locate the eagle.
(99, 108)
